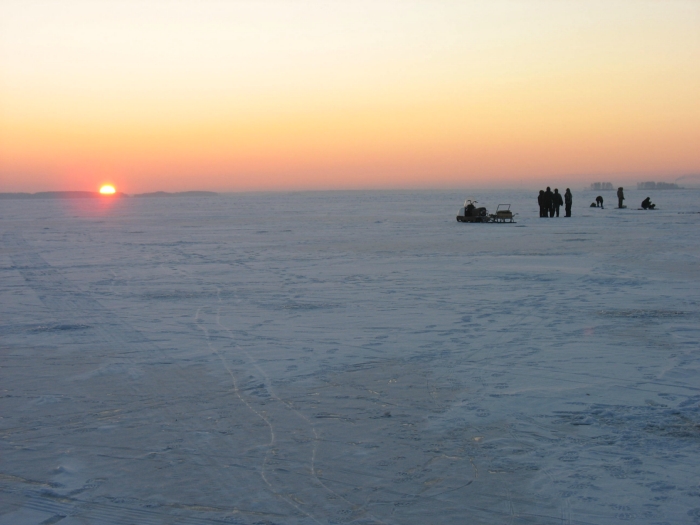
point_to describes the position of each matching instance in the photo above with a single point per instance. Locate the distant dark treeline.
(94, 194)
(602, 186)
(178, 194)
(658, 186)
(56, 195)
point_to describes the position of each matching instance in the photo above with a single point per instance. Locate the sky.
(313, 95)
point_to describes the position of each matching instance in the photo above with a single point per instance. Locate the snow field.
(349, 357)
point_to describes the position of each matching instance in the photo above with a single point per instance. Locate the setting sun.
(107, 190)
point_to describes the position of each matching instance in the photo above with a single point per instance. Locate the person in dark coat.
(599, 201)
(549, 202)
(540, 201)
(568, 200)
(647, 204)
(620, 197)
(557, 201)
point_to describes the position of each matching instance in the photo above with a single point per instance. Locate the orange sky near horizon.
(285, 95)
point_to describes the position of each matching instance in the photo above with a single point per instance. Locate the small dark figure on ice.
(568, 199)
(599, 201)
(620, 197)
(557, 202)
(540, 201)
(469, 209)
(647, 204)
(549, 202)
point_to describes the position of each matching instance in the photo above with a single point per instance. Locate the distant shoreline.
(97, 195)
(56, 195)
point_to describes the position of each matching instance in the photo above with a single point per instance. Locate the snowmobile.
(471, 213)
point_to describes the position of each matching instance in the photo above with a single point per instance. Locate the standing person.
(620, 197)
(549, 202)
(540, 201)
(568, 199)
(557, 201)
(599, 201)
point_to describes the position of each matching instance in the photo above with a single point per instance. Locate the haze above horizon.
(283, 95)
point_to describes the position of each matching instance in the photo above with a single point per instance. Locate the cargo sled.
(471, 213)
(503, 214)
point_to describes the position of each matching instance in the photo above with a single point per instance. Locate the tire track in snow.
(519, 517)
(271, 428)
(65, 302)
(354, 508)
(61, 297)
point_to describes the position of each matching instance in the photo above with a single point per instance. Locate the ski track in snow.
(350, 358)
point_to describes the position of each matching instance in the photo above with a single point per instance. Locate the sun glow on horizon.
(107, 189)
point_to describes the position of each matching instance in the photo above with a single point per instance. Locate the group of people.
(620, 198)
(646, 203)
(550, 202)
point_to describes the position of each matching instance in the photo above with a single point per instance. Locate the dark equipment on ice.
(470, 213)
(503, 214)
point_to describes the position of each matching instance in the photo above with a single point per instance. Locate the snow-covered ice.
(350, 357)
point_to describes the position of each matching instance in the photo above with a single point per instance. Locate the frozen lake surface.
(357, 357)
